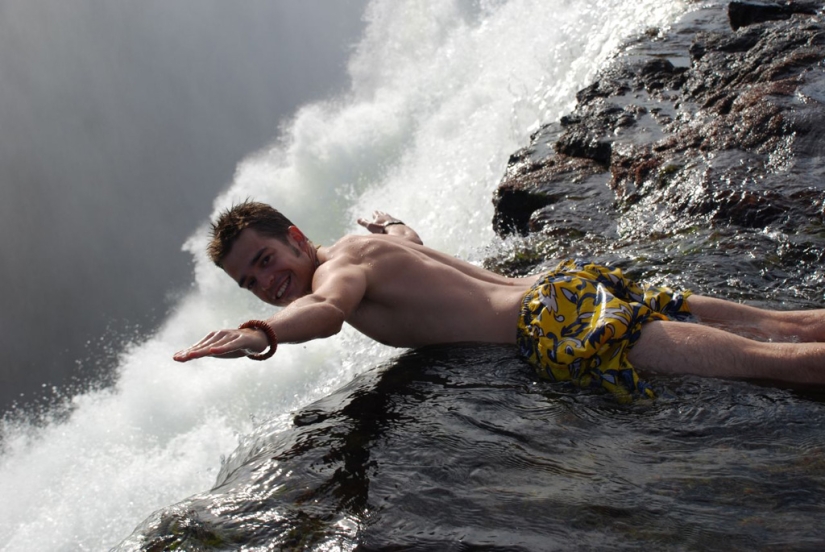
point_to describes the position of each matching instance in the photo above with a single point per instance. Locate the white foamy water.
(442, 93)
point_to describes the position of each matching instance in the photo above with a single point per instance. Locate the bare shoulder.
(354, 247)
(384, 255)
(377, 256)
(351, 242)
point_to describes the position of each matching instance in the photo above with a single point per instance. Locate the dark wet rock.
(457, 448)
(742, 14)
(704, 128)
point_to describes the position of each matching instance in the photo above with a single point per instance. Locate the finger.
(230, 345)
(202, 347)
(189, 354)
(220, 350)
(215, 338)
(208, 337)
(372, 226)
(192, 352)
(198, 350)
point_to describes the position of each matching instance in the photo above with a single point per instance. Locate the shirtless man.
(582, 322)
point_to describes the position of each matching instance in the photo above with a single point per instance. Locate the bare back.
(401, 293)
(418, 296)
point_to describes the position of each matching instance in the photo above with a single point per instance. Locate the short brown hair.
(250, 214)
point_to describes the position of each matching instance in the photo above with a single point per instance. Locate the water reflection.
(460, 444)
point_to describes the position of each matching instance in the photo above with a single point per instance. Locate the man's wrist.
(391, 223)
(271, 338)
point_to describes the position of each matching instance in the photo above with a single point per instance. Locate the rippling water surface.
(459, 448)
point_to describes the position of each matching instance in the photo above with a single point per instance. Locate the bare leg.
(685, 348)
(800, 325)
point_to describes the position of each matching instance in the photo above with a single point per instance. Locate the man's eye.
(250, 285)
(265, 260)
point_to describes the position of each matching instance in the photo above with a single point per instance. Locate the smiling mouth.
(282, 289)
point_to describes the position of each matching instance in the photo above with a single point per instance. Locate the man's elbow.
(335, 322)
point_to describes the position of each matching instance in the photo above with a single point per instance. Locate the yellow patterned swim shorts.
(579, 321)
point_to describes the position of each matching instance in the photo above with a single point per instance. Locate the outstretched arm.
(383, 223)
(319, 314)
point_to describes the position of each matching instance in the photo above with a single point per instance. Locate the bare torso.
(401, 293)
(418, 296)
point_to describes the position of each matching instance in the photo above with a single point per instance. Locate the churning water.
(442, 93)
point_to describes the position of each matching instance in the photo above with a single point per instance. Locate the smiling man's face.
(276, 272)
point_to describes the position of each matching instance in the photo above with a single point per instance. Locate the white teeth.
(282, 289)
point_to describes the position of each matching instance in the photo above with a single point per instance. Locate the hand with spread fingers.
(384, 223)
(379, 223)
(226, 344)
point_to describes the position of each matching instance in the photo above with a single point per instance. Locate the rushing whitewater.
(441, 94)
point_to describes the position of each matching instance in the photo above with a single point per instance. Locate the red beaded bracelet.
(270, 337)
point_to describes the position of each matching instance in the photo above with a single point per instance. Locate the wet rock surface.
(701, 127)
(457, 448)
(748, 13)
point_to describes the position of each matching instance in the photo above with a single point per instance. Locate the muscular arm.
(382, 223)
(319, 314)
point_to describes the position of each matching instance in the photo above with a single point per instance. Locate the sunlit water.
(442, 93)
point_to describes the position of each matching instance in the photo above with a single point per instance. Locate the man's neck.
(316, 254)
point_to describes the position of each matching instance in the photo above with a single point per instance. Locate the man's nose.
(267, 279)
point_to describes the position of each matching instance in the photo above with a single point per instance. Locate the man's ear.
(295, 233)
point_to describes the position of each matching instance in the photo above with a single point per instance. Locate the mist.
(120, 124)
